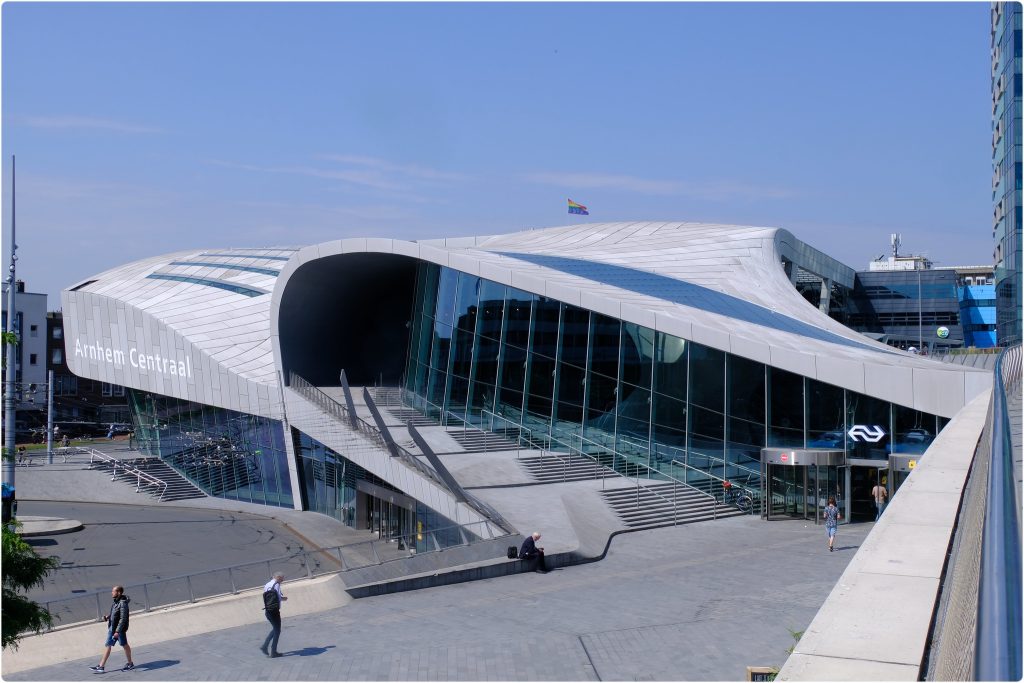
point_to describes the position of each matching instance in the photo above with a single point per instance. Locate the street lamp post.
(10, 418)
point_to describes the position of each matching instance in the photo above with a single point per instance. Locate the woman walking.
(831, 515)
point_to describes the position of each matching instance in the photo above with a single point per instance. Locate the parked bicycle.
(733, 495)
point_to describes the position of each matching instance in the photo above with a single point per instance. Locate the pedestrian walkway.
(696, 602)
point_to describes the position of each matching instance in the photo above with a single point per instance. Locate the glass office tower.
(1006, 165)
(555, 375)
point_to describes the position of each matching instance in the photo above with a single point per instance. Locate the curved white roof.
(209, 309)
(719, 285)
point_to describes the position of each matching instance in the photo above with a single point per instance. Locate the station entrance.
(389, 514)
(864, 476)
(798, 483)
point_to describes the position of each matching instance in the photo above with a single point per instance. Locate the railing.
(370, 432)
(140, 476)
(998, 649)
(195, 587)
(753, 494)
(977, 623)
(675, 482)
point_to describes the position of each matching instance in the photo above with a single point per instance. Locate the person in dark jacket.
(530, 551)
(117, 629)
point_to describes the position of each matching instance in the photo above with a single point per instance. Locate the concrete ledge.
(489, 570)
(32, 527)
(304, 597)
(804, 668)
(431, 562)
(875, 623)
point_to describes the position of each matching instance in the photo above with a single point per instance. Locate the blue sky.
(141, 129)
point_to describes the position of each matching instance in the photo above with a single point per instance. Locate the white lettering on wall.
(143, 361)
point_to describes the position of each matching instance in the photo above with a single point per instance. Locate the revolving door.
(799, 482)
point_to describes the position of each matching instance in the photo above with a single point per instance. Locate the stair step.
(178, 487)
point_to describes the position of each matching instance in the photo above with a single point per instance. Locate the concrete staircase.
(407, 415)
(651, 505)
(478, 441)
(549, 469)
(178, 487)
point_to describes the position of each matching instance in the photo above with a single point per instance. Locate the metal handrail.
(131, 469)
(997, 652)
(302, 553)
(674, 502)
(754, 495)
(365, 428)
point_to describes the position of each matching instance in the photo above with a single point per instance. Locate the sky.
(145, 128)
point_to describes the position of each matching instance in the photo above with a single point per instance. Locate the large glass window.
(746, 411)
(225, 453)
(785, 409)
(826, 423)
(912, 430)
(548, 370)
(602, 383)
(540, 384)
(872, 419)
(707, 405)
(571, 375)
(668, 414)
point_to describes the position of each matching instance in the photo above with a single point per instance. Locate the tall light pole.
(10, 428)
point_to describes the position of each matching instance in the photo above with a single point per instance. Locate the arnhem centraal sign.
(143, 361)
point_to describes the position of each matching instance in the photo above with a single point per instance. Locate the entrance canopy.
(803, 456)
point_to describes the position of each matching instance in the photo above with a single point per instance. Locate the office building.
(1006, 168)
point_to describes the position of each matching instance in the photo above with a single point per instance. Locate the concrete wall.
(875, 623)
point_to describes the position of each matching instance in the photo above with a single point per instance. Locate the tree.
(22, 569)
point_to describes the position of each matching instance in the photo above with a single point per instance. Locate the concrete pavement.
(696, 602)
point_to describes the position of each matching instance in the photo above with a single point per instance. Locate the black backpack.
(513, 552)
(271, 599)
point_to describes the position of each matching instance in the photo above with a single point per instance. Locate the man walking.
(272, 599)
(880, 495)
(117, 630)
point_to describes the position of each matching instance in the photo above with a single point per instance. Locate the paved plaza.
(695, 602)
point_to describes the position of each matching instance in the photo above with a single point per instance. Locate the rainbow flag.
(578, 208)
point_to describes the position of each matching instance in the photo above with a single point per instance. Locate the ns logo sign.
(869, 433)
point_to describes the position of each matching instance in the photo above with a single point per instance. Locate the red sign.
(785, 458)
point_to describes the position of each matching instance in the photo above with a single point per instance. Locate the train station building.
(665, 352)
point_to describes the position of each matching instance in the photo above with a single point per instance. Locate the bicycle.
(744, 501)
(740, 498)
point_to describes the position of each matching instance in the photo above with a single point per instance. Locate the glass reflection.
(225, 453)
(643, 401)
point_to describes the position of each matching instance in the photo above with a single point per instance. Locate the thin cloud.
(720, 190)
(82, 122)
(412, 170)
(399, 181)
(366, 178)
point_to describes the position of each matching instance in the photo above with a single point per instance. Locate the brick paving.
(697, 602)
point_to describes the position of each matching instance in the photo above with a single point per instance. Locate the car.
(918, 435)
(828, 440)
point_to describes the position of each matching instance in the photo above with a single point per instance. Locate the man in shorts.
(117, 630)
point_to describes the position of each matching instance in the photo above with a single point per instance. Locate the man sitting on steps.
(530, 551)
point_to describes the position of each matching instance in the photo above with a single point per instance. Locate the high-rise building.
(1006, 163)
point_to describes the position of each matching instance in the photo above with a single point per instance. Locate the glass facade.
(1006, 168)
(225, 453)
(559, 376)
(335, 486)
(908, 307)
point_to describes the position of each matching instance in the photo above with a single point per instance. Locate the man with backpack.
(272, 599)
